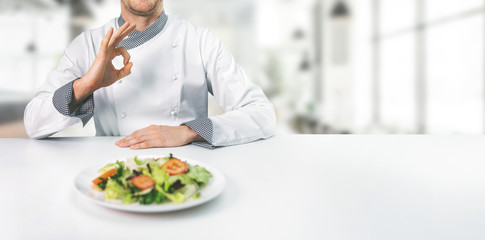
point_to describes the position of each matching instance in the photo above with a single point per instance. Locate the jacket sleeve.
(248, 115)
(47, 113)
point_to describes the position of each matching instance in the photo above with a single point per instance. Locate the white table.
(287, 187)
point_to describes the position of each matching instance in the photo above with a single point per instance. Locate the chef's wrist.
(191, 135)
(81, 90)
(83, 87)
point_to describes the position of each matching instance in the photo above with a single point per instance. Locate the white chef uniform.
(175, 66)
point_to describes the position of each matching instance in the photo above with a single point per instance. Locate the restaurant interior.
(328, 66)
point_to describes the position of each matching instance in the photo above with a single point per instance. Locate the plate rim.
(151, 208)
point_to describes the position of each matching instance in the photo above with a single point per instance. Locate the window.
(430, 66)
(454, 61)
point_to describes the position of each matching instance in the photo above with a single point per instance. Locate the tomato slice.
(174, 167)
(143, 182)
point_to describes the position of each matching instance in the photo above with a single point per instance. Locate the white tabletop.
(287, 187)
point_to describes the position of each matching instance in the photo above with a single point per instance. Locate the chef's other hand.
(102, 73)
(159, 136)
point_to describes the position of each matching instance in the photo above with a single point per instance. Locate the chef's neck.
(142, 22)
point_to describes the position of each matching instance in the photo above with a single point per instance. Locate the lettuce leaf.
(125, 174)
(199, 174)
(159, 175)
(129, 199)
(183, 178)
(177, 197)
(140, 161)
(114, 190)
(188, 191)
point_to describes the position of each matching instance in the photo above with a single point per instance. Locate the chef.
(146, 75)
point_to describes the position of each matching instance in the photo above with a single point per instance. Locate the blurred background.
(328, 66)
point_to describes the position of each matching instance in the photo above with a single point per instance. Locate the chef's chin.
(142, 7)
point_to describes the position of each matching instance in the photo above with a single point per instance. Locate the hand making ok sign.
(102, 73)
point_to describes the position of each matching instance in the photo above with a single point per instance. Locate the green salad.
(151, 180)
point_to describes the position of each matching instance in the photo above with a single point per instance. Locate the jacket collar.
(137, 38)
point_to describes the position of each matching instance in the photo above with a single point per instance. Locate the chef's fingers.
(130, 29)
(129, 137)
(141, 134)
(119, 143)
(122, 143)
(127, 142)
(125, 71)
(125, 33)
(150, 142)
(122, 51)
(117, 34)
(141, 145)
(104, 43)
(117, 40)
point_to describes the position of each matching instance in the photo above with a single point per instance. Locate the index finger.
(122, 51)
(107, 37)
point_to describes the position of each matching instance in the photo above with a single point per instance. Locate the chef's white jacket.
(175, 66)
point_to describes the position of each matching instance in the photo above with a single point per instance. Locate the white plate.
(83, 184)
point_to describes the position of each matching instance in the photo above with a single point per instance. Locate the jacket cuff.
(63, 97)
(204, 145)
(203, 127)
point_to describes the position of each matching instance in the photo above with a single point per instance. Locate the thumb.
(125, 71)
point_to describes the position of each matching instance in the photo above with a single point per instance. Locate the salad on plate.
(151, 180)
